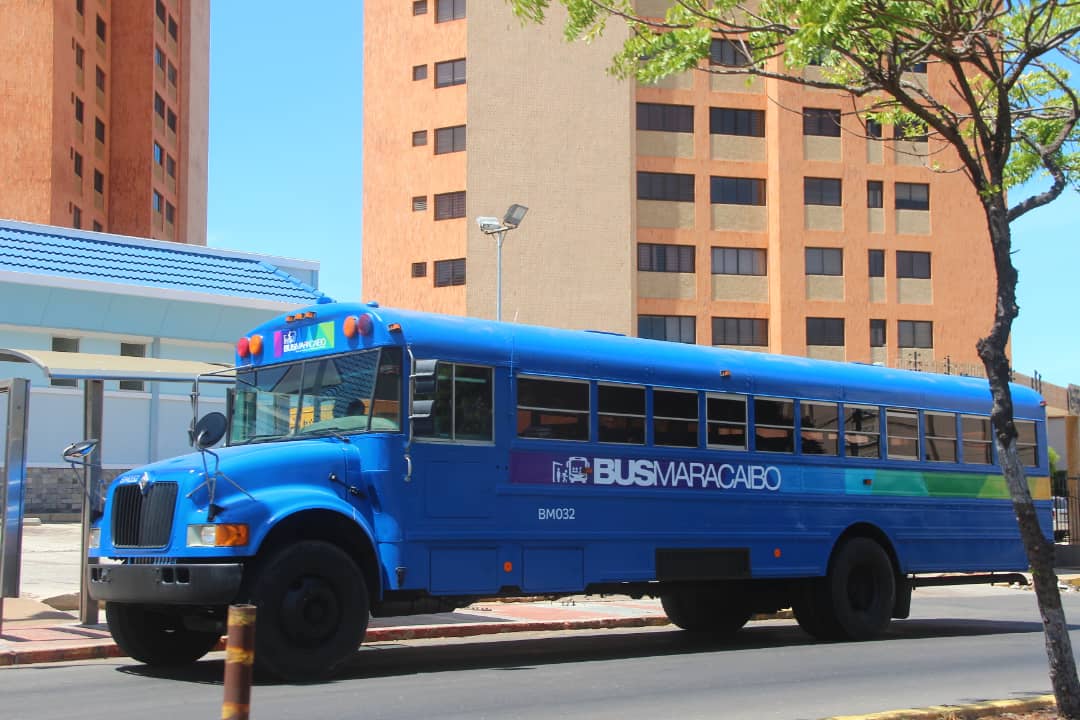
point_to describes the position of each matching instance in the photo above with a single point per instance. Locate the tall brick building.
(104, 111)
(706, 208)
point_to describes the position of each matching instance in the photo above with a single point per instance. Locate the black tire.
(855, 600)
(312, 610)
(811, 608)
(155, 637)
(715, 609)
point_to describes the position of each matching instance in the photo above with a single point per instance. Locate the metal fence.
(1066, 508)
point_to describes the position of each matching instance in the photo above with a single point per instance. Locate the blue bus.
(386, 462)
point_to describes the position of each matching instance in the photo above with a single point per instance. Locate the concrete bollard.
(239, 660)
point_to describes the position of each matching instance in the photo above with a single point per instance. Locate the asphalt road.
(961, 645)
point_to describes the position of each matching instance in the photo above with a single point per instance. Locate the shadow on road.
(516, 653)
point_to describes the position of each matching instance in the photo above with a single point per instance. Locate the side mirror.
(425, 381)
(79, 453)
(210, 429)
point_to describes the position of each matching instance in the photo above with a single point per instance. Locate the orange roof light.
(349, 327)
(256, 344)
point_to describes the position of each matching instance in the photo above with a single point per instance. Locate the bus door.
(455, 471)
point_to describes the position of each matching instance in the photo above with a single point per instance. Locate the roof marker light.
(256, 344)
(309, 315)
(243, 349)
(394, 327)
(725, 373)
(349, 326)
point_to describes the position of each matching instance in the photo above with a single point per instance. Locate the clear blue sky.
(285, 168)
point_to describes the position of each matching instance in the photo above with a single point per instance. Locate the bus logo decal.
(643, 473)
(575, 470)
(304, 339)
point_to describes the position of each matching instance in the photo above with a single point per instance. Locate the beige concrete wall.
(877, 290)
(821, 149)
(551, 129)
(665, 144)
(914, 291)
(738, 148)
(746, 348)
(740, 288)
(736, 83)
(826, 352)
(740, 218)
(681, 286)
(823, 217)
(925, 355)
(652, 8)
(875, 220)
(874, 153)
(825, 287)
(910, 153)
(678, 81)
(879, 356)
(665, 214)
(913, 222)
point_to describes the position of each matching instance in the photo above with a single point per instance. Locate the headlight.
(94, 539)
(217, 535)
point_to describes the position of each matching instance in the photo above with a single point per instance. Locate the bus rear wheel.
(716, 608)
(155, 637)
(855, 600)
(312, 610)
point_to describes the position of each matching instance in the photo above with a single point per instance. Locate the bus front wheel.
(155, 637)
(714, 609)
(855, 600)
(312, 610)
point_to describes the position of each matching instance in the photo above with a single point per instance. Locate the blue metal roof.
(61, 252)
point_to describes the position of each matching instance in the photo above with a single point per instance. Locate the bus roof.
(617, 358)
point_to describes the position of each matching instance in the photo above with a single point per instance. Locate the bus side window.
(977, 441)
(552, 409)
(621, 414)
(675, 418)
(940, 436)
(473, 403)
(820, 432)
(774, 425)
(861, 431)
(902, 434)
(440, 422)
(1026, 446)
(726, 416)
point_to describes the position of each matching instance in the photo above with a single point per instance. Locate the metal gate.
(1066, 508)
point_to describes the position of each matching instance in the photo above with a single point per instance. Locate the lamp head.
(514, 215)
(489, 225)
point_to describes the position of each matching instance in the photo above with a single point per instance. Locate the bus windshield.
(352, 393)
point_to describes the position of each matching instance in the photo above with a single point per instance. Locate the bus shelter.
(93, 370)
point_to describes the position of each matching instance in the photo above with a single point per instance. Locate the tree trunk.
(1040, 551)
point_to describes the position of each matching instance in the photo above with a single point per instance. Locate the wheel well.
(330, 527)
(873, 532)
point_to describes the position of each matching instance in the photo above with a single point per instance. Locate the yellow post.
(239, 660)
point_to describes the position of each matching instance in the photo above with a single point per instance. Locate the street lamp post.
(493, 226)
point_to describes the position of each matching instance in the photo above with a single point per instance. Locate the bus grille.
(140, 520)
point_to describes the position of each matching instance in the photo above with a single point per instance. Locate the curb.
(959, 712)
(9, 658)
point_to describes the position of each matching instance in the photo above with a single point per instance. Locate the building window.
(447, 10)
(449, 139)
(170, 166)
(419, 7)
(156, 201)
(99, 181)
(174, 30)
(877, 333)
(159, 154)
(451, 72)
(877, 263)
(101, 29)
(419, 203)
(915, 334)
(736, 191)
(728, 52)
(675, 328)
(913, 265)
(821, 191)
(171, 122)
(912, 131)
(137, 350)
(69, 345)
(919, 67)
(824, 261)
(80, 56)
(824, 122)
(170, 213)
(159, 106)
(873, 129)
(159, 57)
(78, 110)
(99, 130)
(665, 118)
(419, 137)
(740, 331)
(665, 258)
(665, 186)
(875, 194)
(172, 75)
(76, 217)
(912, 196)
(419, 72)
(738, 261)
(450, 205)
(419, 269)
(80, 7)
(98, 227)
(160, 10)
(825, 331)
(449, 272)
(76, 161)
(99, 79)
(735, 121)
